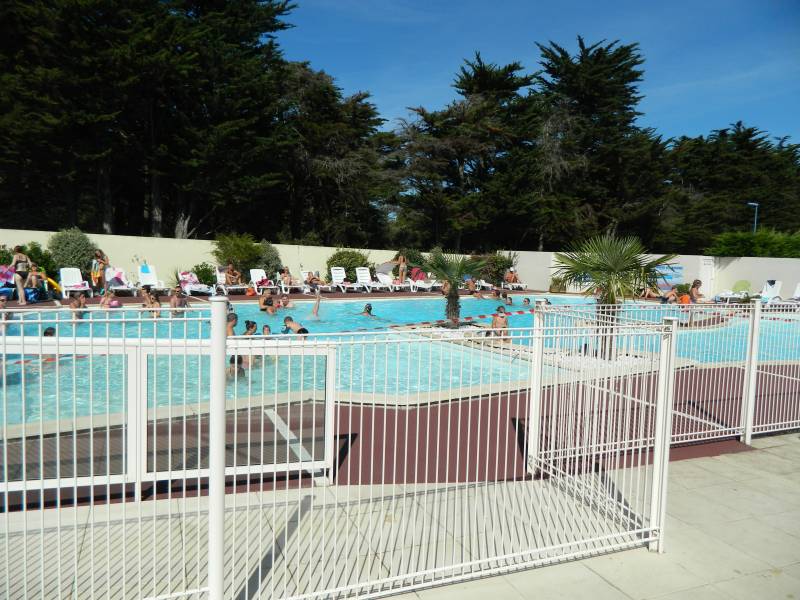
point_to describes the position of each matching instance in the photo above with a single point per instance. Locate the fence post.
(216, 451)
(535, 394)
(663, 431)
(751, 375)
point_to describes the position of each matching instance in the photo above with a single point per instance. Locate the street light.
(755, 217)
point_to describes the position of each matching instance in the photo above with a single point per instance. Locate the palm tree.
(451, 268)
(612, 268)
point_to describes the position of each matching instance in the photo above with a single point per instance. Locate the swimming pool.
(399, 363)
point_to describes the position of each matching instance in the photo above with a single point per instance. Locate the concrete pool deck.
(733, 533)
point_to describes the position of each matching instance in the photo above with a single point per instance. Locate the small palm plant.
(451, 268)
(611, 268)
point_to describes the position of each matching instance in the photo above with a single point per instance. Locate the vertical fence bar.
(663, 431)
(535, 395)
(751, 374)
(216, 452)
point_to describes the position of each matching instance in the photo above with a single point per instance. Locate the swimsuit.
(302, 330)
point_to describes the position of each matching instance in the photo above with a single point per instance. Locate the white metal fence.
(737, 365)
(154, 458)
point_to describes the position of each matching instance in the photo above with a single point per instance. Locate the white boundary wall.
(535, 268)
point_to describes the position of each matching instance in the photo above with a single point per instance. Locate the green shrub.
(34, 251)
(42, 257)
(6, 254)
(683, 288)
(71, 248)
(349, 260)
(495, 267)
(241, 249)
(270, 260)
(557, 286)
(206, 273)
(764, 242)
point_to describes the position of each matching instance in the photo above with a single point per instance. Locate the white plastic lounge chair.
(191, 285)
(72, 281)
(393, 286)
(338, 276)
(286, 288)
(322, 287)
(148, 276)
(126, 287)
(425, 285)
(793, 302)
(260, 281)
(741, 289)
(512, 286)
(483, 285)
(364, 277)
(221, 286)
(771, 291)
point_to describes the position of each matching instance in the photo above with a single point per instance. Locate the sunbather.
(694, 292)
(402, 267)
(671, 296)
(35, 278)
(232, 276)
(511, 276)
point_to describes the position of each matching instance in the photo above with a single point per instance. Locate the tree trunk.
(156, 205)
(104, 198)
(453, 308)
(607, 317)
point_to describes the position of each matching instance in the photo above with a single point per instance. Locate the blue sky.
(708, 62)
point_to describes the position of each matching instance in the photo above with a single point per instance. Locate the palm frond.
(616, 268)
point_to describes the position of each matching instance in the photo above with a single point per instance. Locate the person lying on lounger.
(232, 276)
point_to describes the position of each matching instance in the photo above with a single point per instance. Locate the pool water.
(400, 363)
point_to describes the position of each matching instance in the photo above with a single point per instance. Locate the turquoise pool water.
(399, 364)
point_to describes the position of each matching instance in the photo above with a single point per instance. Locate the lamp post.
(755, 217)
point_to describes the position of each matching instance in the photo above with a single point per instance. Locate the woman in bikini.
(21, 265)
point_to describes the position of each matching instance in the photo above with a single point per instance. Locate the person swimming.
(367, 312)
(290, 325)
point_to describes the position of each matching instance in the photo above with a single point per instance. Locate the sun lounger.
(425, 285)
(364, 277)
(239, 288)
(790, 303)
(322, 287)
(149, 277)
(260, 281)
(113, 274)
(740, 291)
(771, 291)
(72, 281)
(190, 284)
(391, 284)
(286, 288)
(338, 277)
